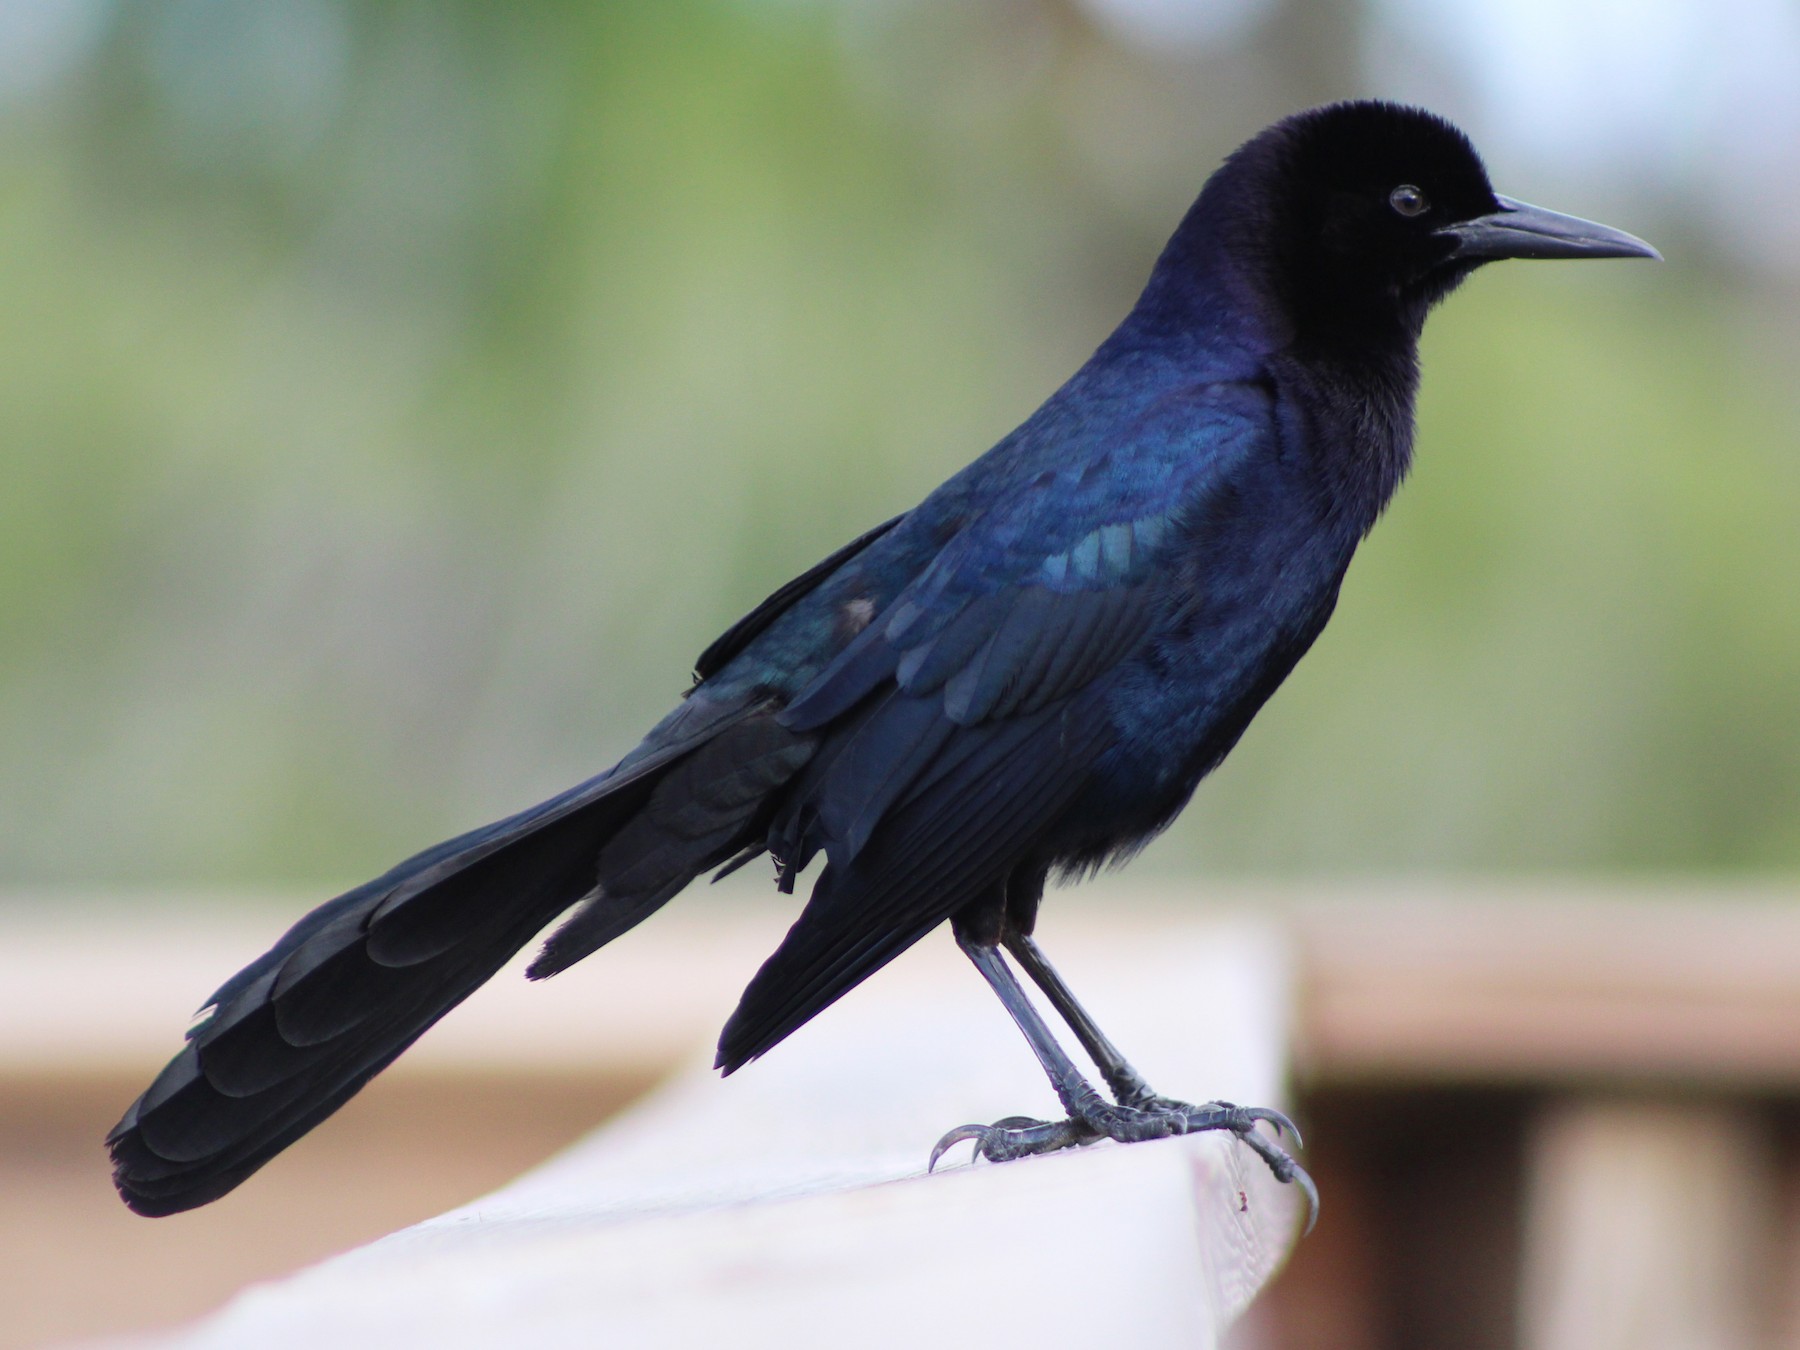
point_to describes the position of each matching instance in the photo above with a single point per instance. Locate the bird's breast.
(1241, 611)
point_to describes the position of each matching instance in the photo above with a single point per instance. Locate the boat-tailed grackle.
(1025, 675)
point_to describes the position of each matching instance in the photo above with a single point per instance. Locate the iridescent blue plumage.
(1090, 577)
(1027, 672)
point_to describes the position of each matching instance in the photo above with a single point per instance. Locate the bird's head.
(1361, 214)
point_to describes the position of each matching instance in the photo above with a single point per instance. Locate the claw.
(949, 1141)
(1285, 1170)
(1017, 1137)
(1279, 1119)
(1311, 1192)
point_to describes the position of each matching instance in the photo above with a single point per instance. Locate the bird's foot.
(1016, 1137)
(1142, 1098)
(1152, 1118)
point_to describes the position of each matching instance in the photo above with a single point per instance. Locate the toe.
(1279, 1119)
(955, 1137)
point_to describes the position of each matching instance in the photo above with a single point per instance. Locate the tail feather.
(705, 810)
(298, 1032)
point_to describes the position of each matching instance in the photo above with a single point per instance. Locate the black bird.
(1026, 674)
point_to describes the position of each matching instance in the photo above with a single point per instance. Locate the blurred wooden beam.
(1444, 983)
(1522, 986)
(1649, 1225)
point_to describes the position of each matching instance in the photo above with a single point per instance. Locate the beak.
(1519, 230)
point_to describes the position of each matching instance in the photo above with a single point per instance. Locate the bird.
(1021, 679)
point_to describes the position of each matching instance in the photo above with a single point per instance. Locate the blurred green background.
(396, 397)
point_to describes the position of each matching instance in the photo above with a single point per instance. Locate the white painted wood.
(786, 1206)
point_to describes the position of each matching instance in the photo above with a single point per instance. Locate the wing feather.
(964, 825)
(963, 720)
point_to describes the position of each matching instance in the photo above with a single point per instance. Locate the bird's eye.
(1408, 201)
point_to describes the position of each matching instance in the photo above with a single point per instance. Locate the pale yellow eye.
(1408, 201)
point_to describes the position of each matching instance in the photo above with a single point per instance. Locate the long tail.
(294, 1035)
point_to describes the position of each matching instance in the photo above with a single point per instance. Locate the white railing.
(788, 1206)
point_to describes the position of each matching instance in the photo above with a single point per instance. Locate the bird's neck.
(1352, 374)
(1358, 411)
(1196, 297)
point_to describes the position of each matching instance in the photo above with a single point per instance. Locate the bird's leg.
(1128, 1086)
(1091, 1117)
(1018, 1135)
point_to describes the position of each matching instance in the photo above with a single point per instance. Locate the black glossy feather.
(1030, 670)
(701, 813)
(350, 986)
(747, 629)
(936, 851)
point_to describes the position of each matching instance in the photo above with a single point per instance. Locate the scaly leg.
(1128, 1086)
(1140, 1114)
